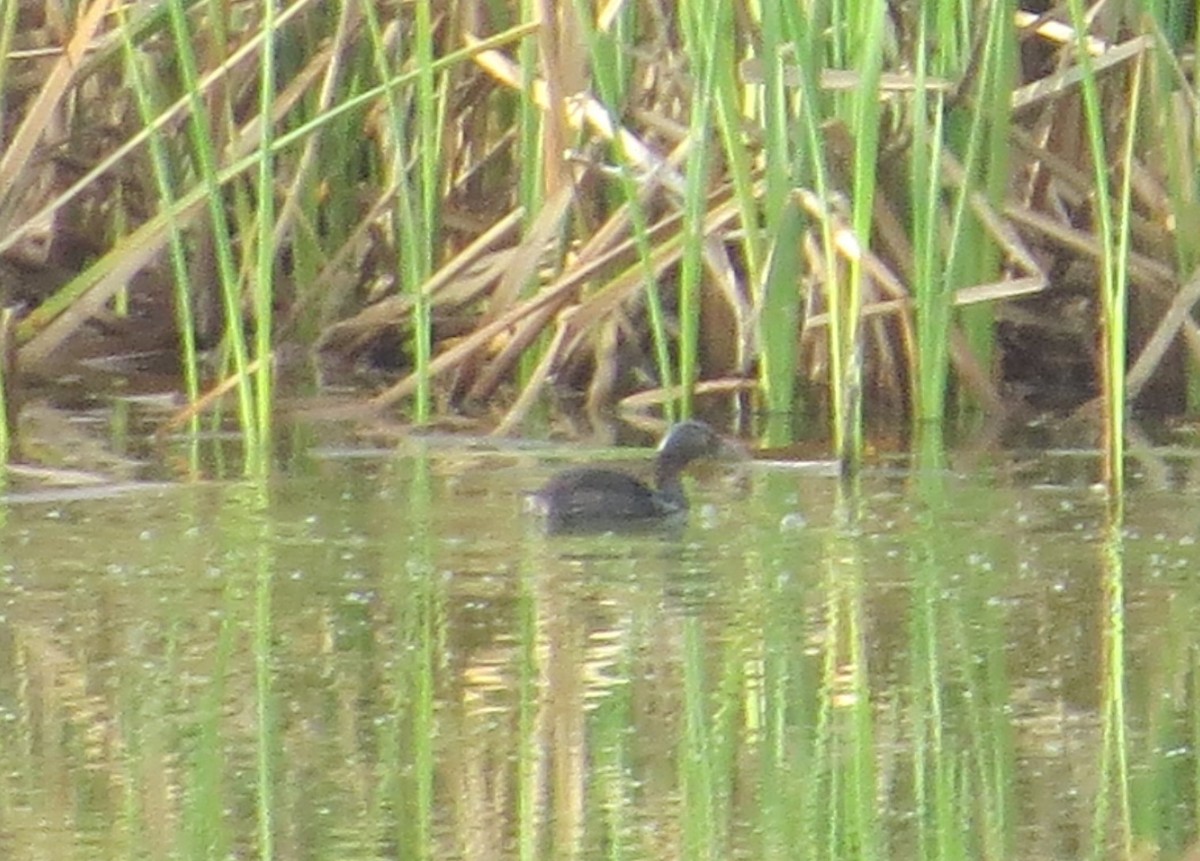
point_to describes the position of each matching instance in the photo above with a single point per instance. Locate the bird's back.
(598, 499)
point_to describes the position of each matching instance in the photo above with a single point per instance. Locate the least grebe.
(588, 499)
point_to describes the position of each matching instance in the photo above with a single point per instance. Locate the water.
(381, 656)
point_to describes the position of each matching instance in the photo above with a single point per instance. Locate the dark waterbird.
(589, 499)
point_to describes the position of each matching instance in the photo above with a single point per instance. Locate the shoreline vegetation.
(818, 210)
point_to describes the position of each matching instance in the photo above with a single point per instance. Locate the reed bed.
(817, 211)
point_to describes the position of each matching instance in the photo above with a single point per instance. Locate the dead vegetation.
(478, 194)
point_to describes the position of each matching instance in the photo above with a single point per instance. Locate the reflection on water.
(384, 657)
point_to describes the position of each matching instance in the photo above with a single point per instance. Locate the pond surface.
(380, 656)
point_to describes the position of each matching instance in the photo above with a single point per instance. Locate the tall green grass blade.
(7, 407)
(739, 159)
(866, 28)
(932, 299)
(263, 290)
(202, 135)
(431, 107)
(412, 219)
(777, 303)
(529, 155)
(8, 28)
(1174, 112)
(811, 163)
(705, 23)
(1000, 70)
(609, 72)
(779, 149)
(1116, 298)
(780, 316)
(530, 119)
(1114, 250)
(983, 132)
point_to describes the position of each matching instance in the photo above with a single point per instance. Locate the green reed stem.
(705, 24)
(263, 290)
(530, 162)
(777, 304)
(8, 28)
(1116, 304)
(431, 106)
(203, 135)
(1114, 240)
(413, 222)
(1001, 69)
(780, 317)
(932, 298)
(972, 257)
(739, 162)
(865, 31)
(7, 409)
(529, 122)
(814, 145)
(610, 71)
